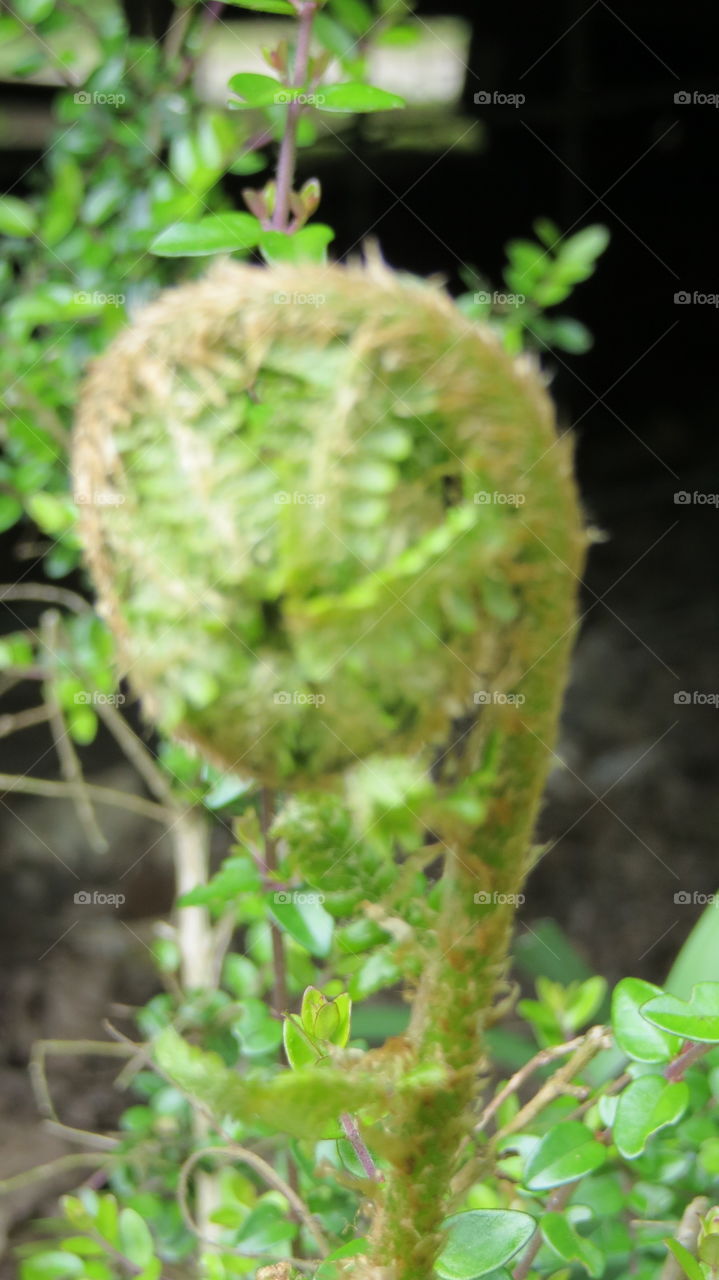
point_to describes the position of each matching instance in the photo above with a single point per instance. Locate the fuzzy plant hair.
(329, 519)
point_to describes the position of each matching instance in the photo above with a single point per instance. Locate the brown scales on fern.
(269, 530)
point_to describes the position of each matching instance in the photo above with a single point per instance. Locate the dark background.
(634, 811)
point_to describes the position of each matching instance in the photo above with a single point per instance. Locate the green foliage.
(303, 1103)
(565, 1154)
(481, 1241)
(342, 883)
(644, 1107)
(632, 1155)
(696, 1019)
(97, 236)
(539, 275)
(104, 1241)
(359, 626)
(633, 1031)
(562, 1010)
(322, 1023)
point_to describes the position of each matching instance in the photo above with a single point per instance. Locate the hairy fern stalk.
(330, 520)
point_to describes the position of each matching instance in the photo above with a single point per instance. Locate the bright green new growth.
(358, 502)
(304, 499)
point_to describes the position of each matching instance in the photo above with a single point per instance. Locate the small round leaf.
(482, 1240)
(646, 1105)
(633, 1033)
(566, 1153)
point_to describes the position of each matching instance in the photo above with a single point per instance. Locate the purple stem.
(288, 147)
(352, 1134)
(686, 1059)
(556, 1202)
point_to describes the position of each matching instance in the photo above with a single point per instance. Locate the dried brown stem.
(541, 1059)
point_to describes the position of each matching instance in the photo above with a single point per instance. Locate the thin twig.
(16, 675)
(596, 1039)
(67, 755)
(39, 1171)
(556, 1202)
(40, 1051)
(270, 1176)
(190, 840)
(98, 1140)
(541, 1059)
(137, 753)
(40, 593)
(10, 782)
(23, 720)
(616, 1086)
(279, 992)
(222, 937)
(176, 33)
